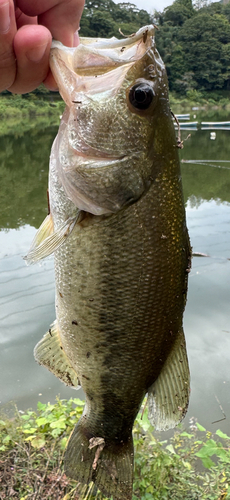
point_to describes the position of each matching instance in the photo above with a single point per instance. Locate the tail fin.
(108, 465)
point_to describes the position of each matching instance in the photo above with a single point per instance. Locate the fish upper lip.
(111, 42)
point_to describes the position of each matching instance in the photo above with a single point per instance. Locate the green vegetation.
(21, 113)
(192, 38)
(104, 18)
(204, 100)
(191, 465)
(194, 42)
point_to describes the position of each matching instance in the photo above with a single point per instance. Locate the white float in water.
(213, 136)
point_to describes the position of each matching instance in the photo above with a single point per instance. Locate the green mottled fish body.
(118, 231)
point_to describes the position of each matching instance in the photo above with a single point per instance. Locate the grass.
(202, 100)
(21, 113)
(192, 465)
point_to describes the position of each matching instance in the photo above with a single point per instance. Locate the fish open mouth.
(103, 54)
(97, 65)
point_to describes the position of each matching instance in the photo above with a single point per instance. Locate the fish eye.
(141, 96)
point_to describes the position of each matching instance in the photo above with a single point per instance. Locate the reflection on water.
(23, 177)
(27, 293)
(206, 319)
(26, 311)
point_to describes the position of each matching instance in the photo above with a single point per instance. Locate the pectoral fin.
(168, 397)
(47, 240)
(49, 353)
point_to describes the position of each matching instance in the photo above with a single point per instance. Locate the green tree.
(205, 39)
(194, 40)
(226, 11)
(104, 18)
(176, 66)
(179, 12)
(97, 18)
(185, 84)
(170, 23)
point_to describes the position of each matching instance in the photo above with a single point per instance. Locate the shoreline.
(14, 106)
(19, 114)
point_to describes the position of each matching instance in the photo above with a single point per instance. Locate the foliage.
(209, 59)
(31, 454)
(19, 113)
(195, 40)
(51, 422)
(179, 12)
(104, 18)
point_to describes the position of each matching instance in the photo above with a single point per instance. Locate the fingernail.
(4, 17)
(36, 54)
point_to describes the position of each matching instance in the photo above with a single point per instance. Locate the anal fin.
(49, 353)
(168, 397)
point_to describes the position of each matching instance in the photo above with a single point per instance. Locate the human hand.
(26, 30)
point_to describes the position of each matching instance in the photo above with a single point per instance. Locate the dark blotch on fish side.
(88, 354)
(74, 322)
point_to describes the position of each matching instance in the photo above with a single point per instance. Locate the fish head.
(117, 119)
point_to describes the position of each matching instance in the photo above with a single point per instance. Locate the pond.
(27, 293)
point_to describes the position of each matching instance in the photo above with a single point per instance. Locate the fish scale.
(129, 313)
(122, 254)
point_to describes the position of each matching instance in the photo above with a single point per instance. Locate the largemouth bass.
(122, 255)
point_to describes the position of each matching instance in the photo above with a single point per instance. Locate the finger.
(63, 20)
(61, 17)
(32, 47)
(7, 32)
(22, 19)
(49, 82)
